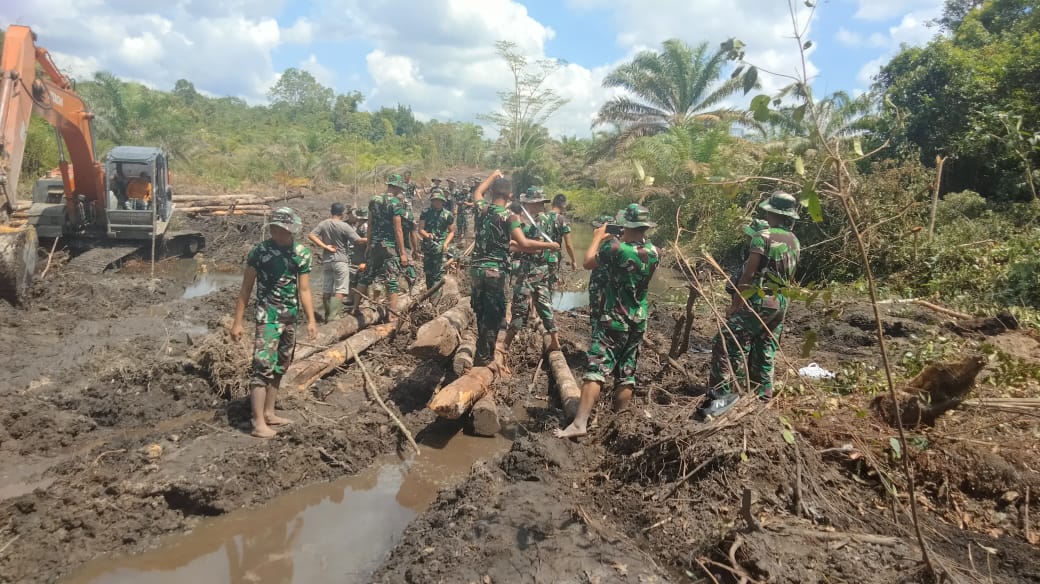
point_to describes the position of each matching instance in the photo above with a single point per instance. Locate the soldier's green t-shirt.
(780, 250)
(278, 271)
(381, 212)
(629, 268)
(494, 225)
(437, 223)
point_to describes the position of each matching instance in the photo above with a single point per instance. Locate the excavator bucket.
(17, 262)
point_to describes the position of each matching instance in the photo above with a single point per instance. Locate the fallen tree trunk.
(936, 390)
(463, 360)
(208, 208)
(236, 213)
(568, 388)
(233, 199)
(337, 330)
(441, 336)
(459, 396)
(302, 374)
(485, 416)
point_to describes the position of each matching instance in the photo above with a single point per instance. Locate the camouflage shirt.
(494, 225)
(436, 223)
(460, 197)
(409, 192)
(599, 279)
(629, 268)
(555, 225)
(780, 250)
(381, 212)
(277, 280)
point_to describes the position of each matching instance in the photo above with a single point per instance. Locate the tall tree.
(671, 88)
(530, 102)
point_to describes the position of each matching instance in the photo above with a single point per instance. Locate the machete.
(535, 224)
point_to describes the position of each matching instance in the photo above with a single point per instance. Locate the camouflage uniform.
(617, 338)
(383, 263)
(598, 279)
(277, 306)
(435, 223)
(489, 271)
(556, 227)
(460, 197)
(749, 351)
(407, 229)
(534, 280)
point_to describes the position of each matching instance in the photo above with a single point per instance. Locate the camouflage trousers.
(746, 351)
(462, 223)
(433, 265)
(613, 353)
(534, 286)
(273, 350)
(383, 266)
(488, 299)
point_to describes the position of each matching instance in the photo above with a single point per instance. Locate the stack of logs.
(222, 205)
(20, 216)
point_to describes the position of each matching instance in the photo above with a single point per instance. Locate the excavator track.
(98, 259)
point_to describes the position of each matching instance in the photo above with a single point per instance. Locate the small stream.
(334, 532)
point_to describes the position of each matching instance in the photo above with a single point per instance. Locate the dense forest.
(956, 121)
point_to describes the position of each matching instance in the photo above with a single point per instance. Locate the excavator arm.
(23, 92)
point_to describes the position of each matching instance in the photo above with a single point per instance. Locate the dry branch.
(374, 392)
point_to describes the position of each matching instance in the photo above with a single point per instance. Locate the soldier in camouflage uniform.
(410, 194)
(411, 244)
(534, 279)
(630, 261)
(746, 348)
(436, 230)
(280, 268)
(489, 267)
(599, 279)
(563, 228)
(386, 251)
(463, 206)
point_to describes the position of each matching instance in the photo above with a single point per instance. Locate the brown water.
(336, 532)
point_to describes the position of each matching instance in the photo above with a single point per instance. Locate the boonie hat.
(635, 216)
(437, 195)
(534, 195)
(395, 180)
(287, 219)
(360, 212)
(781, 203)
(604, 219)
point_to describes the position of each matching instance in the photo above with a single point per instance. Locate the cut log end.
(463, 360)
(485, 416)
(459, 396)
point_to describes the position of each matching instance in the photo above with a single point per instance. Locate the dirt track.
(98, 373)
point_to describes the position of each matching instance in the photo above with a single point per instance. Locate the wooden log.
(459, 396)
(236, 213)
(570, 391)
(302, 374)
(337, 330)
(485, 416)
(440, 337)
(203, 209)
(463, 360)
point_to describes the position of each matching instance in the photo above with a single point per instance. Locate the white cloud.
(855, 39)
(321, 73)
(881, 10)
(300, 33)
(912, 29)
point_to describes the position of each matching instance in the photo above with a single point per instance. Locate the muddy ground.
(112, 436)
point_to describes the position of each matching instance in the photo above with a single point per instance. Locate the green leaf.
(760, 108)
(743, 456)
(798, 114)
(857, 146)
(788, 436)
(897, 448)
(809, 343)
(737, 72)
(807, 45)
(811, 199)
(799, 165)
(750, 79)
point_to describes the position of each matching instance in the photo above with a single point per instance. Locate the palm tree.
(671, 88)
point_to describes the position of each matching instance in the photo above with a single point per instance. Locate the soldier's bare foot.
(264, 432)
(572, 431)
(273, 420)
(554, 345)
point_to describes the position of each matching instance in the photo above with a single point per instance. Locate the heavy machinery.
(89, 206)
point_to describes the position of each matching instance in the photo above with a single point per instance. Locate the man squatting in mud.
(630, 261)
(280, 268)
(746, 347)
(489, 272)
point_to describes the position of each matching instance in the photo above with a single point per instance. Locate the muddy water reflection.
(337, 532)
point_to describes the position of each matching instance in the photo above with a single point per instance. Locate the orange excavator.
(95, 204)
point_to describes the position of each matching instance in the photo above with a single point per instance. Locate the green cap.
(452, 179)
(287, 219)
(360, 212)
(604, 219)
(755, 226)
(395, 180)
(781, 203)
(635, 216)
(437, 194)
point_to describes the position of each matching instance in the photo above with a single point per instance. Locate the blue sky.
(438, 55)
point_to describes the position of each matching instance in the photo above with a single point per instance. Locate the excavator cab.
(139, 196)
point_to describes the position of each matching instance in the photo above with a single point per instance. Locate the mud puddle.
(199, 279)
(334, 532)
